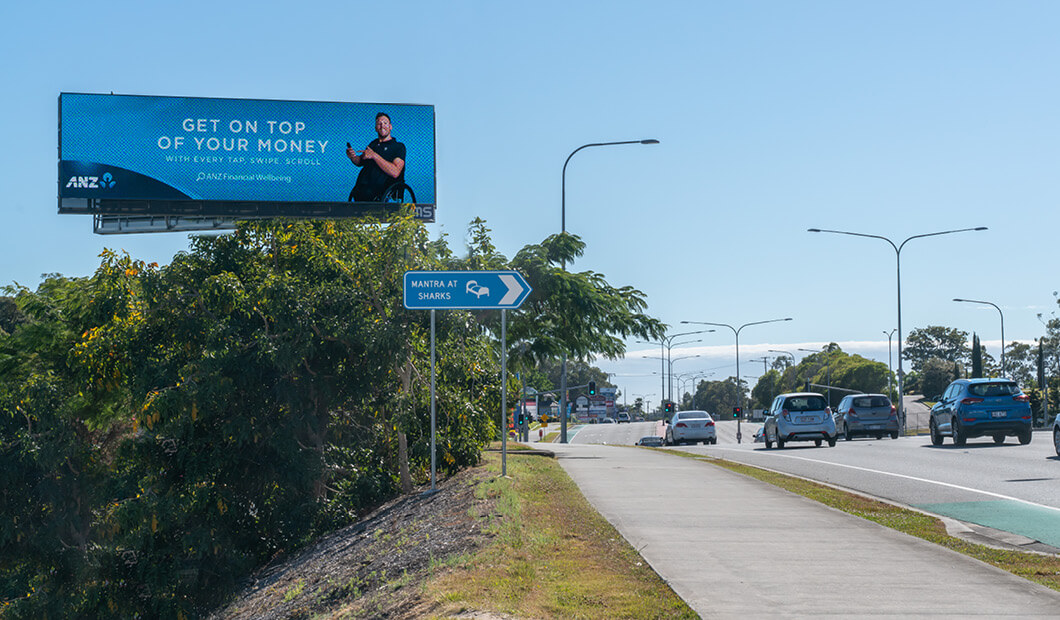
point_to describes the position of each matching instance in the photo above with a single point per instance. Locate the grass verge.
(1043, 569)
(551, 555)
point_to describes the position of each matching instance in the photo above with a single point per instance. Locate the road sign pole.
(433, 406)
(467, 290)
(504, 392)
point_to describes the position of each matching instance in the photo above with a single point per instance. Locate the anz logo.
(89, 182)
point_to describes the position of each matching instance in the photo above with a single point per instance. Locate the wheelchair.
(397, 192)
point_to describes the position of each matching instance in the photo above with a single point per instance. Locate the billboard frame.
(210, 211)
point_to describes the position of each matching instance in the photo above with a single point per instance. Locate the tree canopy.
(165, 429)
(945, 343)
(829, 367)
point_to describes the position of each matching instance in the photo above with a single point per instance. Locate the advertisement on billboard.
(115, 148)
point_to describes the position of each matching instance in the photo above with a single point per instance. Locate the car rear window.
(805, 403)
(692, 415)
(1000, 388)
(871, 401)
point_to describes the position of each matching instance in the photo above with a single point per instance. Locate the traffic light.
(668, 407)
(592, 388)
(737, 413)
(522, 418)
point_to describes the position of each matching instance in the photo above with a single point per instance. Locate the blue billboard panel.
(171, 149)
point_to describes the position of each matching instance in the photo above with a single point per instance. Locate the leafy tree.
(163, 430)
(767, 388)
(782, 363)
(54, 449)
(717, 397)
(830, 366)
(945, 343)
(10, 315)
(936, 374)
(1021, 361)
(579, 313)
(854, 372)
(243, 398)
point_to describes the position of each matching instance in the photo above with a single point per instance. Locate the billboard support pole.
(433, 406)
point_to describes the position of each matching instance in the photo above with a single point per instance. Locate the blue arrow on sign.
(468, 290)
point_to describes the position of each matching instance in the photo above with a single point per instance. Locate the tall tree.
(945, 343)
(717, 397)
(977, 358)
(936, 374)
(578, 313)
(767, 388)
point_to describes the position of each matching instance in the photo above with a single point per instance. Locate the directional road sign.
(469, 290)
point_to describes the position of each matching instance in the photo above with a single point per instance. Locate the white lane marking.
(888, 473)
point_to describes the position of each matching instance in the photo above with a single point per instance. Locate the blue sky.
(896, 119)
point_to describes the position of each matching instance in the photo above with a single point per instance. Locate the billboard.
(131, 154)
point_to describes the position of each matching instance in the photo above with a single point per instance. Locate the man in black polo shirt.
(382, 163)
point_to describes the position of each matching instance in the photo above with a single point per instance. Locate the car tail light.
(828, 410)
(893, 410)
(1022, 398)
(681, 425)
(853, 413)
(971, 401)
(709, 423)
(785, 414)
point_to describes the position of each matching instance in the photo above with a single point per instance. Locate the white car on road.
(690, 427)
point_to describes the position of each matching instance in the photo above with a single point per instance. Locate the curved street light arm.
(736, 332)
(563, 190)
(898, 282)
(563, 229)
(1004, 369)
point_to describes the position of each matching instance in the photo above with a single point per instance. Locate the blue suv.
(979, 407)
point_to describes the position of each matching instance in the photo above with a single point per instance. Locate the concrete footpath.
(735, 547)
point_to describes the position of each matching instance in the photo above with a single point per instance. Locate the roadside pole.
(433, 407)
(467, 290)
(504, 393)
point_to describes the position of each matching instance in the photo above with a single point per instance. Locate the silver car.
(1056, 435)
(866, 415)
(799, 416)
(690, 426)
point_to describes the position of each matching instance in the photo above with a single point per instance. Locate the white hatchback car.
(690, 426)
(799, 416)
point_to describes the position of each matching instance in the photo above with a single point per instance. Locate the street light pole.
(672, 374)
(788, 353)
(670, 364)
(563, 229)
(667, 343)
(890, 387)
(739, 388)
(686, 378)
(898, 260)
(1004, 369)
(828, 364)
